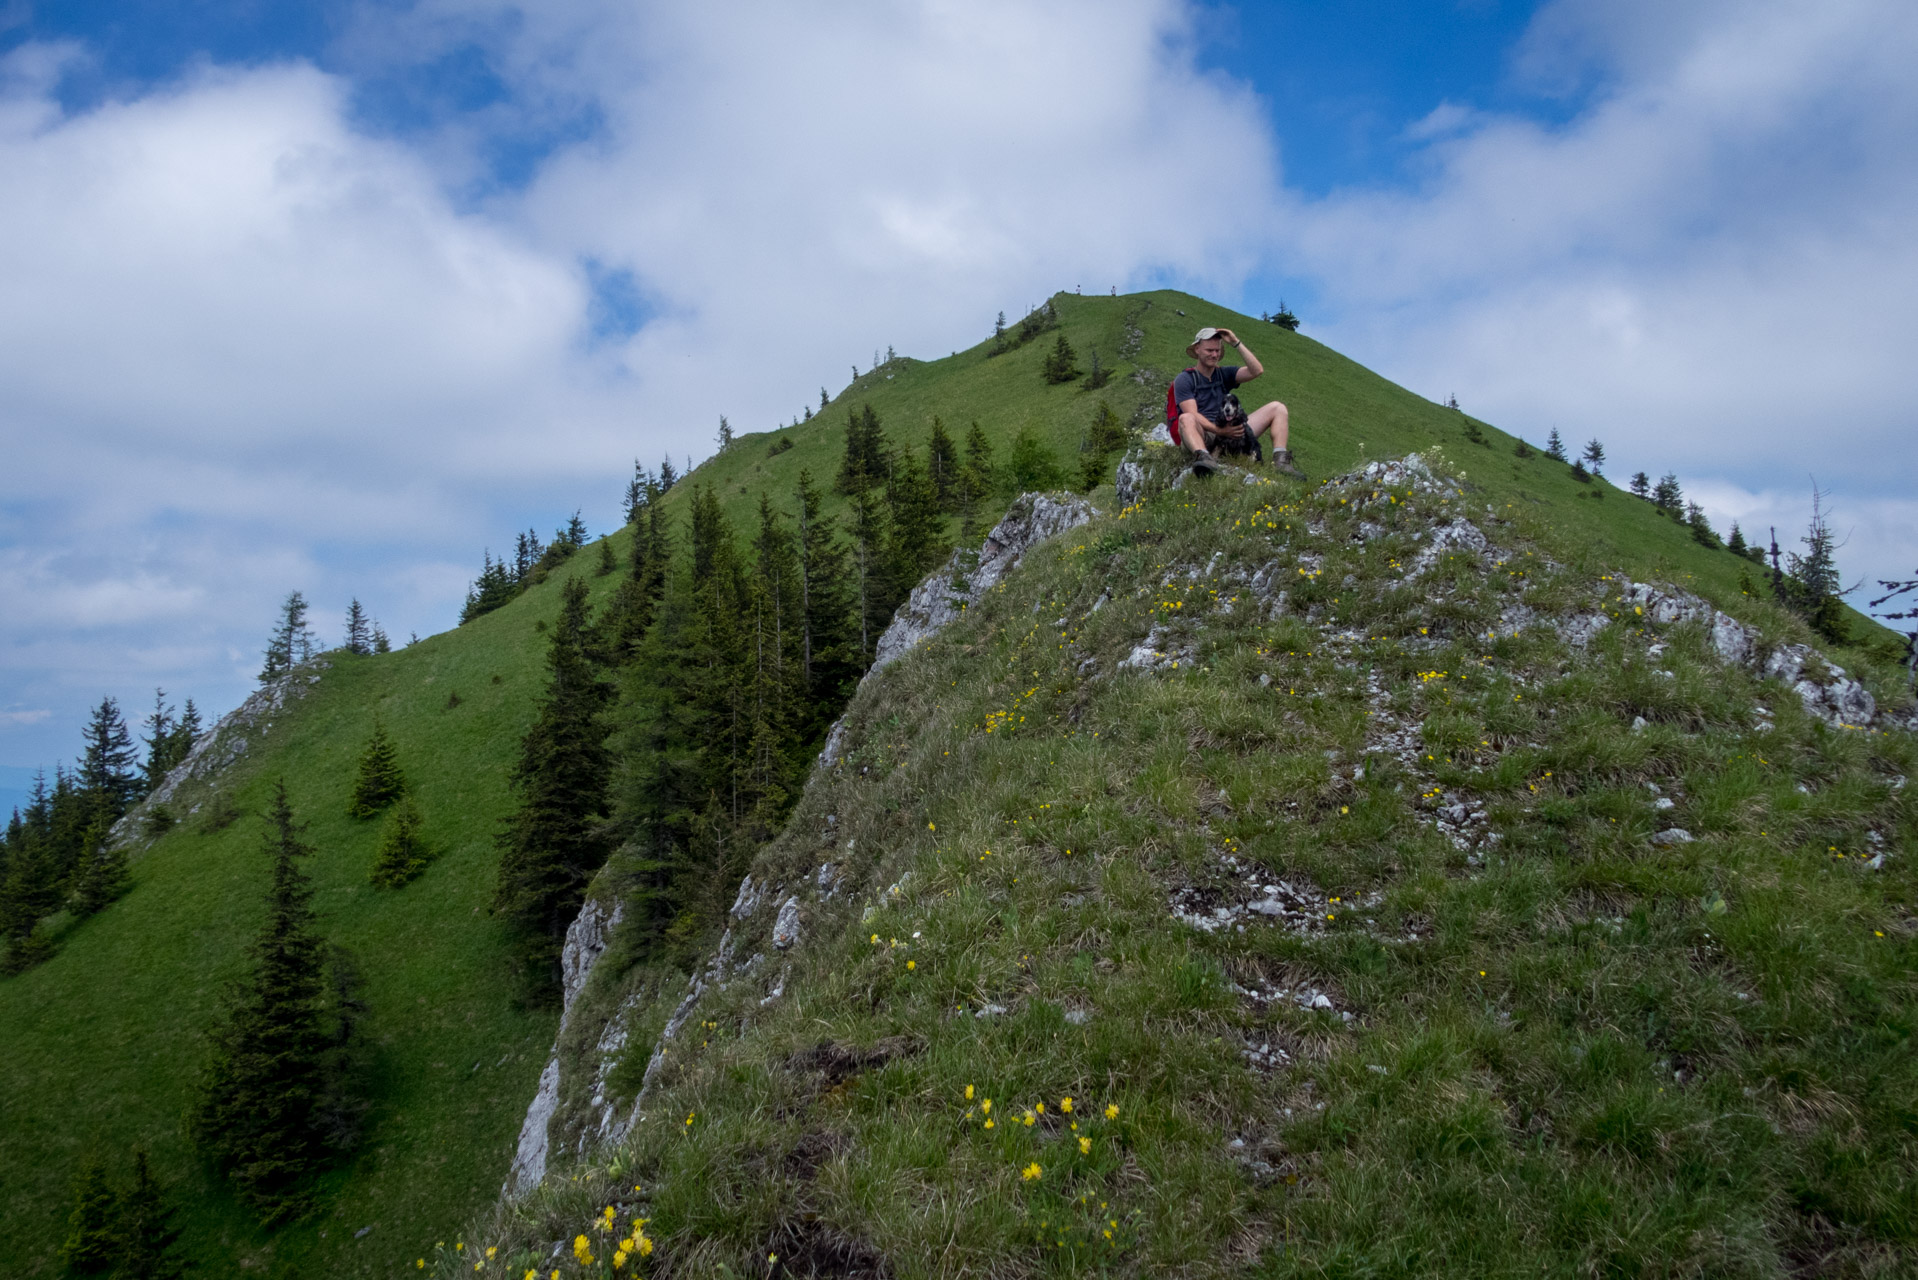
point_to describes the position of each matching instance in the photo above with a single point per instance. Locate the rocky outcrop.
(943, 596)
(586, 940)
(226, 743)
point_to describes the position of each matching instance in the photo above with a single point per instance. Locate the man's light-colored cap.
(1203, 334)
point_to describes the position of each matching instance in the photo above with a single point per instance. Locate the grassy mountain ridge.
(1237, 890)
(104, 1037)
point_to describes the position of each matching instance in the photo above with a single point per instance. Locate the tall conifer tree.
(551, 845)
(359, 633)
(108, 771)
(262, 1113)
(942, 464)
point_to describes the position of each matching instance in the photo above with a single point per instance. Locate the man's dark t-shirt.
(1210, 393)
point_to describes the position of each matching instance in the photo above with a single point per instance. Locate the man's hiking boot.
(1203, 463)
(1282, 463)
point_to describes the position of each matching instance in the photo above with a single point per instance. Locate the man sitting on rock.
(1203, 424)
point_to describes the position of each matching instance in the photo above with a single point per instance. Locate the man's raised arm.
(1251, 368)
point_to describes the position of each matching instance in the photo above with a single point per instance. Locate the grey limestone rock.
(1032, 519)
(786, 928)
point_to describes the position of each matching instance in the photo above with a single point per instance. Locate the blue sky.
(337, 296)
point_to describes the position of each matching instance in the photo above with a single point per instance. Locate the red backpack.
(1172, 408)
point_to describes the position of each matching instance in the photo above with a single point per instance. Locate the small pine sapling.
(607, 563)
(1523, 450)
(1285, 319)
(149, 1240)
(403, 851)
(1594, 456)
(1641, 485)
(1555, 447)
(92, 1243)
(725, 436)
(380, 643)
(1580, 474)
(1100, 375)
(824, 399)
(1735, 542)
(102, 874)
(380, 780)
(1473, 434)
(1062, 363)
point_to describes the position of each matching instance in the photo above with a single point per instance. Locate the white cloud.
(1711, 267)
(247, 347)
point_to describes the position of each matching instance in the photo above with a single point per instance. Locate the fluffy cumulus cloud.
(249, 344)
(1710, 266)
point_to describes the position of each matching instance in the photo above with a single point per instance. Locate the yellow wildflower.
(1065, 1104)
(968, 1093)
(491, 1250)
(619, 1259)
(1112, 1111)
(1085, 1146)
(912, 964)
(645, 1246)
(985, 1107)
(1032, 1172)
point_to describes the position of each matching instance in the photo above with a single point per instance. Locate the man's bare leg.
(1192, 433)
(1274, 421)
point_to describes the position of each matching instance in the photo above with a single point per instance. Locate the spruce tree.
(942, 464)
(918, 540)
(292, 641)
(1668, 497)
(1641, 485)
(148, 1238)
(1520, 449)
(162, 739)
(380, 643)
(979, 461)
(606, 561)
(102, 875)
(1062, 363)
(108, 773)
(403, 851)
(1736, 544)
(825, 652)
(92, 1243)
(359, 637)
(867, 461)
(261, 1114)
(725, 436)
(1594, 458)
(1100, 375)
(551, 844)
(1032, 464)
(1554, 447)
(1812, 587)
(380, 781)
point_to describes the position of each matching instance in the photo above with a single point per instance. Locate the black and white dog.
(1233, 435)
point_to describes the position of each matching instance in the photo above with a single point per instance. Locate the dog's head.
(1231, 414)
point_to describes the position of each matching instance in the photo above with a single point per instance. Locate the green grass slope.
(104, 1039)
(1037, 1026)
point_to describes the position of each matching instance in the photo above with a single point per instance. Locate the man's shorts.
(1241, 444)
